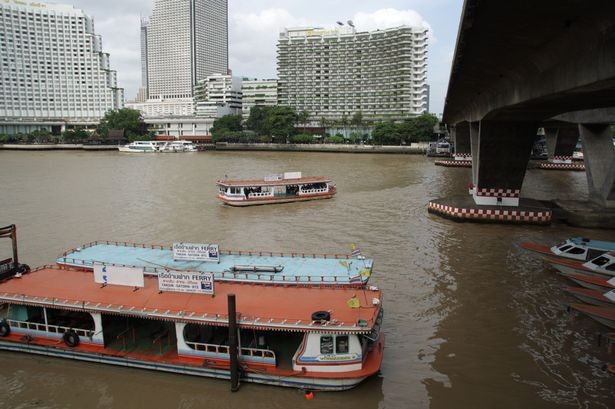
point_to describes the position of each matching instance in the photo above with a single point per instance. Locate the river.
(471, 320)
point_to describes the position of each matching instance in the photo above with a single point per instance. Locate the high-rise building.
(258, 92)
(336, 73)
(53, 70)
(218, 95)
(184, 41)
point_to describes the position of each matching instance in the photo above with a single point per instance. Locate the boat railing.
(54, 329)
(222, 251)
(224, 349)
(259, 194)
(313, 191)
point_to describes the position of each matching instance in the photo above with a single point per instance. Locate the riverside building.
(258, 92)
(218, 95)
(182, 43)
(53, 70)
(335, 73)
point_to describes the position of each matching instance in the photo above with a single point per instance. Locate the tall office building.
(339, 72)
(53, 70)
(184, 42)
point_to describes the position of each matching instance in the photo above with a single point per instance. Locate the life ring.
(5, 330)
(71, 339)
(321, 316)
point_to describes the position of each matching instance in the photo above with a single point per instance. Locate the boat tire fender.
(71, 339)
(321, 316)
(5, 329)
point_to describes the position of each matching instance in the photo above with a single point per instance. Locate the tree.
(357, 119)
(257, 118)
(421, 127)
(280, 122)
(303, 118)
(130, 120)
(227, 128)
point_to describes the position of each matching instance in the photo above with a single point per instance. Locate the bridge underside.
(517, 65)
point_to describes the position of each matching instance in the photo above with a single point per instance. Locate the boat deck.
(298, 268)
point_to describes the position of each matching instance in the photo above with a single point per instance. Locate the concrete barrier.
(404, 149)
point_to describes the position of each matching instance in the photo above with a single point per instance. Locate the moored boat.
(141, 147)
(293, 268)
(576, 248)
(302, 337)
(591, 282)
(604, 315)
(279, 188)
(178, 146)
(593, 297)
(602, 266)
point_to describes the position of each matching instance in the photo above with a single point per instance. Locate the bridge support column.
(561, 143)
(599, 156)
(463, 150)
(501, 160)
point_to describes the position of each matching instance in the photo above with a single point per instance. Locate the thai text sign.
(129, 276)
(186, 282)
(195, 251)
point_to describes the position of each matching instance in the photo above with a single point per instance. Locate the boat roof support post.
(232, 340)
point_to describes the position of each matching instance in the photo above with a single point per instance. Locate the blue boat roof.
(595, 244)
(297, 268)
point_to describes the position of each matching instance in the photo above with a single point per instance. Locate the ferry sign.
(128, 276)
(186, 282)
(195, 251)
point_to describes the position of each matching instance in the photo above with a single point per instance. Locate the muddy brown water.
(471, 320)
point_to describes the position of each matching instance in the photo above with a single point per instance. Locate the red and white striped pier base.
(464, 209)
(463, 156)
(454, 163)
(580, 167)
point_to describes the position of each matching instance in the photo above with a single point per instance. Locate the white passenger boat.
(159, 146)
(142, 147)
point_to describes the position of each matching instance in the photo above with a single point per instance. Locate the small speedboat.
(576, 248)
(604, 315)
(593, 297)
(602, 266)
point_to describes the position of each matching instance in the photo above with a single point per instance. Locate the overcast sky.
(254, 26)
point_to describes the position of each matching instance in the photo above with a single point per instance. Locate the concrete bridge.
(519, 66)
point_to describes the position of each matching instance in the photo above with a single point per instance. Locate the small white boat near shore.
(175, 146)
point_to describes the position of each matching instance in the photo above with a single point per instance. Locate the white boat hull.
(258, 202)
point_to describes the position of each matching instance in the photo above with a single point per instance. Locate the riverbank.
(415, 148)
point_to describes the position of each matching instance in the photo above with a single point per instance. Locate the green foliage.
(126, 119)
(415, 129)
(74, 136)
(357, 119)
(303, 117)
(338, 139)
(277, 121)
(302, 138)
(227, 129)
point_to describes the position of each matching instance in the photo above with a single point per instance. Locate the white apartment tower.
(338, 72)
(185, 41)
(52, 67)
(218, 95)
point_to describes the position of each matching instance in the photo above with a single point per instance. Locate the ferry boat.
(301, 337)
(279, 188)
(158, 146)
(441, 148)
(576, 248)
(264, 267)
(602, 266)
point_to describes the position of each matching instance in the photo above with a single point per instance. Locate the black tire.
(5, 329)
(71, 339)
(321, 316)
(24, 268)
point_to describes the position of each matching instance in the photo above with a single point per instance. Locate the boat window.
(576, 250)
(564, 248)
(326, 344)
(600, 261)
(610, 267)
(341, 344)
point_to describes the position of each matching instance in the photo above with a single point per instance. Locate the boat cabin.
(578, 248)
(604, 264)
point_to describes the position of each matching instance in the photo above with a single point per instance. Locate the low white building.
(263, 92)
(155, 108)
(181, 127)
